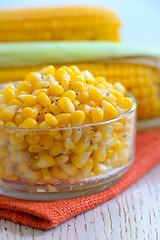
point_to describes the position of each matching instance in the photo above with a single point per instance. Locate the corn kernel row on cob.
(59, 23)
(141, 81)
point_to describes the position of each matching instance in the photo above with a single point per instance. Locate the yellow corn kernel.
(77, 118)
(44, 161)
(30, 123)
(85, 108)
(61, 74)
(100, 168)
(2, 106)
(33, 138)
(74, 69)
(46, 142)
(46, 174)
(23, 168)
(109, 153)
(15, 139)
(19, 156)
(24, 86)
(10, 86)
(117, 126)
(29, 100)
(78, 86)
(89, 77)
(115, 161)
(2, 101)
(81, 147)
(79, 78)
(97, 115)
(101, 80)
(116, 93)
(20, 146)
(95, 94)
(33, 176)
(33, 78)
(14, 102)
(44, 100)
(9, 95)
(58, 173)
(10, 124)
(48, 70)
(80, 160)
(8, 113)
(50, 120)
(66, 105)
(34, 148)
(101, 86)
(40, 85)
(110, 98)
(82, 97)
(96, 136)
(70, 94)
(64, 118)
(43, 125)
(56, 90)
(100, 154)
(61, 159)
(124, 155)
(28, 112)
(67, 69)
(86, 169)
(38, 91)
(53, 108)
(18, 119)
(23, 93)
(76, 135)
(66, 134)
(51, 79)
(3, 152)
(68, 144)
(38, 108)
(65, 83)
(57, 148)
(69, 169)
(125, 102)
(118, 86)
(109, 110)
(1, 123)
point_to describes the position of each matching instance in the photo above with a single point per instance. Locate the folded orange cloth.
(49, 214)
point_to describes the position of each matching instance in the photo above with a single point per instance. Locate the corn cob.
(141, 81)
(59, 23)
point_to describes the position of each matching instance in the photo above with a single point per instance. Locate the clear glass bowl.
(49, 164)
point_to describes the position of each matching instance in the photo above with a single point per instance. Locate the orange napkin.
(49, 214)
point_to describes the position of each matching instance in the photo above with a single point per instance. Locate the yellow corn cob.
(59, 23)
(141, 81)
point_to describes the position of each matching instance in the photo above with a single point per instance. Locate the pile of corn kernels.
(50, 101)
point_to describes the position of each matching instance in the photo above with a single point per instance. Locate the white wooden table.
(133, 214)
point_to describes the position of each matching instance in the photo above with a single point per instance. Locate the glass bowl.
(51, 164)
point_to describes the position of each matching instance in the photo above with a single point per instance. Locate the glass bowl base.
(86, 187)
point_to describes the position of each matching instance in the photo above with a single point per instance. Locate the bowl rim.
(121, 116)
